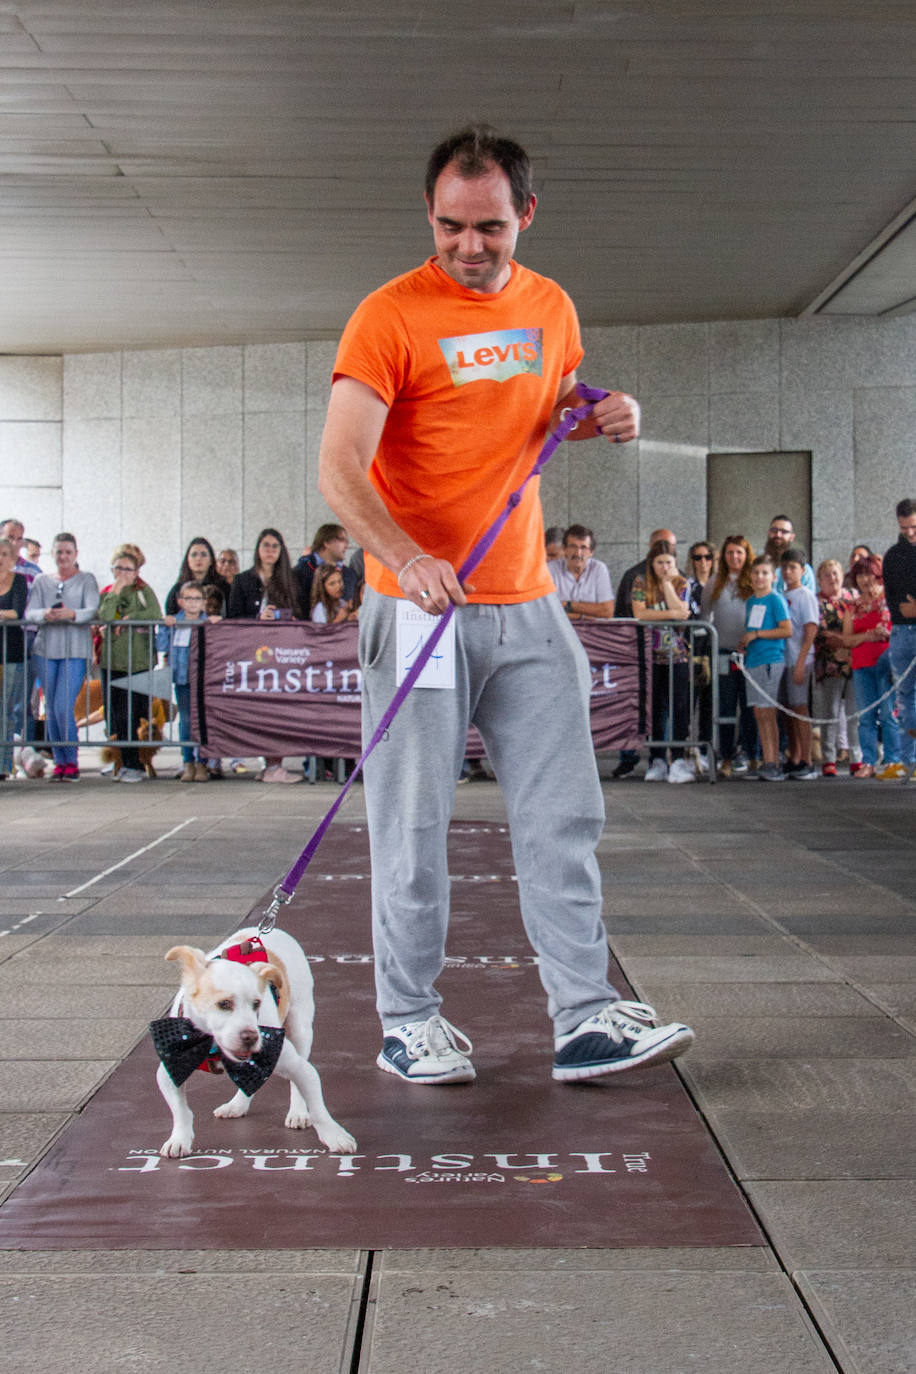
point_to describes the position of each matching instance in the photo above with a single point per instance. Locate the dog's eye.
(225, 1004)
(256, 1006)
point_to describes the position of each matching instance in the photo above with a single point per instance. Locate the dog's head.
(224, 998)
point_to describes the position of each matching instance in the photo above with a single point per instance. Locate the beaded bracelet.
(409, 564)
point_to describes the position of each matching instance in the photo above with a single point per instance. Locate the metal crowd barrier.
(153, 685)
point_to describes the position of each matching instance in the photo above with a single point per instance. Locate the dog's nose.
(249, 1038)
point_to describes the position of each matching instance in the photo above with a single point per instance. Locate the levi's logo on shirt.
(495, 356)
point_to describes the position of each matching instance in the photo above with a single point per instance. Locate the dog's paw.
(338, 1141)
(176, 1147)
(297, 1121)
(238, 1106)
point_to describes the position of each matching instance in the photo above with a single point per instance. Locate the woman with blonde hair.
(723, 603)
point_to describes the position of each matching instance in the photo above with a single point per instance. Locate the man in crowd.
(446, 380)
(781, 536)
(328, 546)
(582, 581)
(623, 610)
(14, 530)
(900, 593)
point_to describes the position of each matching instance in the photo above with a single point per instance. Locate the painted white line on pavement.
(136, 854)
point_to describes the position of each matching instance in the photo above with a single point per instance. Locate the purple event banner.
(291, 688)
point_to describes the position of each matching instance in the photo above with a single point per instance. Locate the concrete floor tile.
(203, 1262)
(736, 1259)
(444, 1322)
(869, 1319)
(49, 969)
(92, 1002)
(867, 969)
(759, 968)
(683, 1001)
(134, 1321)
(627, 918)
(817, 1144)
(793, 1085)
(24, 1136)
(899, 999)
(167, 928)
(50, 1086)
(839, 1224)
(798, 1037)
(69, 1038)
(661, 944)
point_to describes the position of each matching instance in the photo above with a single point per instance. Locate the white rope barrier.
(738, 660)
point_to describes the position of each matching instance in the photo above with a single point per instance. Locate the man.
(623, 610)
(781, 536)
(900, 593)
(14, 530)
(583, 582)
(328, 546)
(445, 382)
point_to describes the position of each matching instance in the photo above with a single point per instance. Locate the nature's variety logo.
(262, 654)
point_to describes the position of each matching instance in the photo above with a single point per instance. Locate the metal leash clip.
(269, 919)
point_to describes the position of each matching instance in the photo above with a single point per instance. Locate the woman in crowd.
(127, 651)
(702, 562)
(867, 632)
(268, 591)
(723, 602)
(860, 551)
(62, 604)
(227, 565)
(832, 686)
(14, 592)
(198, 565)
(661, 595)
(328, 604)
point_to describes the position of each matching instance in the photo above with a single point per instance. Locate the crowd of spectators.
(837, 645)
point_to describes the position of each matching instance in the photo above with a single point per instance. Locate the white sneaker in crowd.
(657, 771)
(681, 771)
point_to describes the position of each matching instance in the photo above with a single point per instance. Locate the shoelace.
(438, 1036)
(614, 1019)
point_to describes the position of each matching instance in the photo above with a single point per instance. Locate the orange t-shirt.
(470, 380)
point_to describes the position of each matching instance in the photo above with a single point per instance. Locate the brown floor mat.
(512, 1160)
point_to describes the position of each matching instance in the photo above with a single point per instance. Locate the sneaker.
(280, 774)
(620, 1036)
(680, 771)
(71, 773)
(891, 771)
(657, 771)
(789, 769)
(108, 771)
(58, 774)
(624, 768)
(427, 1052)
(803, 772)
(739, 762)
(132, 775)
(829, 770)
(853, 769)
(770, 772)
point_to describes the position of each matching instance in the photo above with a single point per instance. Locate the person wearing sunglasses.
(63, 605)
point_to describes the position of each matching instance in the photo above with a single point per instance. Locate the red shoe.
(59, 773)
(829, 770)
(853, 769)
(71, 772)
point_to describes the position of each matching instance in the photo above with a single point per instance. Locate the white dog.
(229, 1008)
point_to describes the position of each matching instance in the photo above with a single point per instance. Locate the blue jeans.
(902, 652)
(11, 682)
(61, 680)
(189, 753)
(870, 684)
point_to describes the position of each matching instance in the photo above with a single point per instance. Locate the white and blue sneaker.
(621, 1036)
(430, 1051)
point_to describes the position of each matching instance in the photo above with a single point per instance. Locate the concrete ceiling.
(223, 171)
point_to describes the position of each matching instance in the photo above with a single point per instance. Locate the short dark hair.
(764, 558)
(788, 519)
(793, 554)
(579, 532)
(475, 149)
(905, 508)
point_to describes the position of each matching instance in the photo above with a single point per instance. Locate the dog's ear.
(270, 973)
(193, 961)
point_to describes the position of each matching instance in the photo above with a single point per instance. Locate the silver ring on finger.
(424, 595)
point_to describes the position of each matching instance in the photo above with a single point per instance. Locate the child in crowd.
(173, 640)
(804, 614)
(767, 627)
(661, 595)
(867, 632)
(328, 604)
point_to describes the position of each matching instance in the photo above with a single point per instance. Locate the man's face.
(475, 227)
(577, 552)
(335, 548)
(907, 525)
(14, 532)
(781, 534)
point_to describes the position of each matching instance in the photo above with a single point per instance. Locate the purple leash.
(569, 419)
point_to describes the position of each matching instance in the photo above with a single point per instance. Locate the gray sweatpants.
(522, 679)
